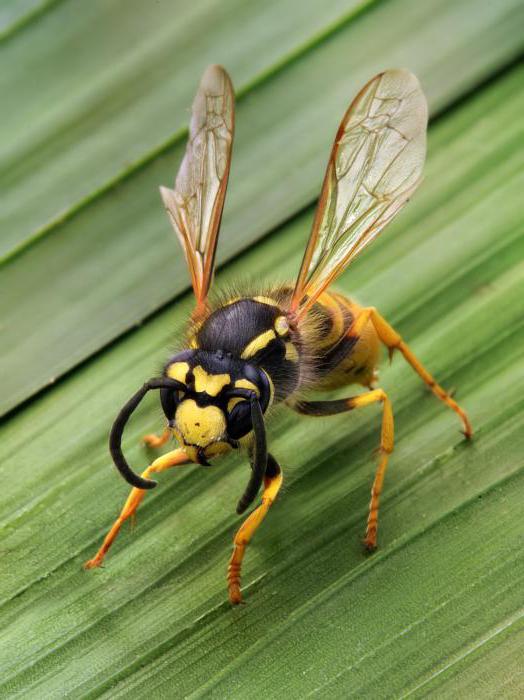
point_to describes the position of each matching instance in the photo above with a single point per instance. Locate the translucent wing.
(195, 205)
(375, 165)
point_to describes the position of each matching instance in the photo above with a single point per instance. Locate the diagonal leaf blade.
(93, 275)
(443, 594)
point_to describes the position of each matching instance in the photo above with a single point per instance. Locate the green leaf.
(15, 14)
(438, 609)
(126, 95)
(111, 263)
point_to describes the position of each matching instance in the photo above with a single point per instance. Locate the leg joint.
(381, 394)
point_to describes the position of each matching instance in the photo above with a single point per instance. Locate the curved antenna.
(259, 456)
(115, 437)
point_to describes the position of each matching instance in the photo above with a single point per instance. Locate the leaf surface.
(437, 610)
(103, 269)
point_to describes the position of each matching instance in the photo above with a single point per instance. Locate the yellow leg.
(386, 448)
(329, 408)
(246, 531)
(393, 341)
(152, 440)
(171, 459)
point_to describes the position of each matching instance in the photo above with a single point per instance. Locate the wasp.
(246, 353)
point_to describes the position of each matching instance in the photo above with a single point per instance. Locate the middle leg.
(153, 440)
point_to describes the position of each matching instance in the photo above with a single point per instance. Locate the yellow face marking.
(257, 344)
(266, 300)
(291, 352)
(281, 325)
(212, 384)
(193, 343)
(200, 426)
(217, 448)
(178, 371)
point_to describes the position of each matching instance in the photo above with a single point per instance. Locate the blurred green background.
(95, 101)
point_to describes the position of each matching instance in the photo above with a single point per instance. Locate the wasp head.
(212, 411)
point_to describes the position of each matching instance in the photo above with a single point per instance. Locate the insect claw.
(369, 545)
(235, 596)
(94, 563)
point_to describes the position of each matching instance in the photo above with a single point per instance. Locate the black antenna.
(258, 456)
(115, 437)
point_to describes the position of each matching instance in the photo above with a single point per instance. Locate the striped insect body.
(248, 352)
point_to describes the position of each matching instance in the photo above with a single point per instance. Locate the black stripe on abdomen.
(335, 356)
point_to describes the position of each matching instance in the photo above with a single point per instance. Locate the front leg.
(272, 484)
(171, 459)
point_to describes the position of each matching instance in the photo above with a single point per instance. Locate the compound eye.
(170, 398)
(239, 420)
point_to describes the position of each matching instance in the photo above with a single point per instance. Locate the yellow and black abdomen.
(338, 357)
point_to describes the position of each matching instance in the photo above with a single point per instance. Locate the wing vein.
(195, 204)
(375, 165)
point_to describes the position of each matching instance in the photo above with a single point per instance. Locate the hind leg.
(393, 341)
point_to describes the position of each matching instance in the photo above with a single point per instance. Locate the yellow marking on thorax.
(281, 325)
(212, 384)
(232, 301)
(199, 425)
(258, 343)
(291, 352)
(178, 371)
(266, 300)
(194, 331)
